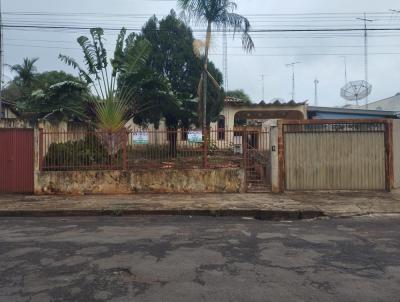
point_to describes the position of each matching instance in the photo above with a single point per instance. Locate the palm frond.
(240, 24)
(118, 59)
(89, 54)
(99, 49)
(71, 62)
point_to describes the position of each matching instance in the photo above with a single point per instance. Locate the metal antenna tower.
(263, 76)
(346, 80)
(366, 51)
(292, 65)
(316, 82)
(225, 57)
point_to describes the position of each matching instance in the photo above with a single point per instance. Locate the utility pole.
(263, 86)
(366, 51)
(225, 57)
(292, 65)
(1, 61)
(316, 82)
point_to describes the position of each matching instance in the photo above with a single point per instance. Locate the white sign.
(195, 136)
(141, 138)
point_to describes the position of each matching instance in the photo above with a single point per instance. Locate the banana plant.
(111, 103)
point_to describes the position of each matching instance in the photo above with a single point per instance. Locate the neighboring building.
(236, 112)
(331, 113)
(388, 104)
(235, 115)
(7, 110)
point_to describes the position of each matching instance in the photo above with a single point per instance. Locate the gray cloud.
(273, 51)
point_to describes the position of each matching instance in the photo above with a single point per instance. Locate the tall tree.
(218, 13)
(53, 95)
(65, 100)
(240, 94)
(171, 77)
(168, 84)
(25, 71)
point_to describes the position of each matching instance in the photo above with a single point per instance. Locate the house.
(7, 110)
(388, 104)
(331, 113)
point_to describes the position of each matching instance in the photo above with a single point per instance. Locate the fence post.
(124, 157)
(41, 149)
(245, 157)
(205, 148)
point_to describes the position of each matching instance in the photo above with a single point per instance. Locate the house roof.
(353, 111)
(233, 100)
(3, 101)
(277, 102)
(11, 105)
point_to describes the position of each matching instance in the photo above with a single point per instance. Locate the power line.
(216, 30)
(221, 54)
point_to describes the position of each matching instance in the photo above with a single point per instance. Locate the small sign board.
(140, 138)
(195, 136)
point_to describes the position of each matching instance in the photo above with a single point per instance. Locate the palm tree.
(218, 13)
(26, 71)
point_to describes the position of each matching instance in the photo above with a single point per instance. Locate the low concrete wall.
(127, 182)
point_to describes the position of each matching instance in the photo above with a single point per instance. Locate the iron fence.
(147, 149)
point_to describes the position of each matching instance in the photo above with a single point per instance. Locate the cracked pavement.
(180, 258)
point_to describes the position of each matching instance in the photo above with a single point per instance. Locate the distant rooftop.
(276, 102)
(353, 111)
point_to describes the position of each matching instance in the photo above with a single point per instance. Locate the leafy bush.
(86, 152)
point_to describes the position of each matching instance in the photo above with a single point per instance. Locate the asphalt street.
(178, 258)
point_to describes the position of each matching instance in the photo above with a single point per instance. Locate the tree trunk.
(205, 75)
(172, 139)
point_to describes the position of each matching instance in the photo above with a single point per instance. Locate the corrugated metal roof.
(352, 111)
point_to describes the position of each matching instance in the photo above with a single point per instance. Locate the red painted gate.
(16, 160)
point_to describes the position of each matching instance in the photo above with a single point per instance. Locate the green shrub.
(86, 152)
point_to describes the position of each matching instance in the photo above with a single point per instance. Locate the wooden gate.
(16, 161)
(335, 155)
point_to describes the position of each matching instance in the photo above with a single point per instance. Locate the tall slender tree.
(25, 71)
(220, 14)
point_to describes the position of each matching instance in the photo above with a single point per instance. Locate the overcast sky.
(320, 54)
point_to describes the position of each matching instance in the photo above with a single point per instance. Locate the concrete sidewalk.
(263, 206)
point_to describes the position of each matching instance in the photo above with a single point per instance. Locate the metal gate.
(16, 160)
(257, 161)
(323, 155)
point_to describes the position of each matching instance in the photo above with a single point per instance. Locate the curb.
(256, 214)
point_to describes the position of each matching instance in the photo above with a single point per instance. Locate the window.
(3, 111)
(221, 128)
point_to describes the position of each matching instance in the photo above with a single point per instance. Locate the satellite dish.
(356, 90)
